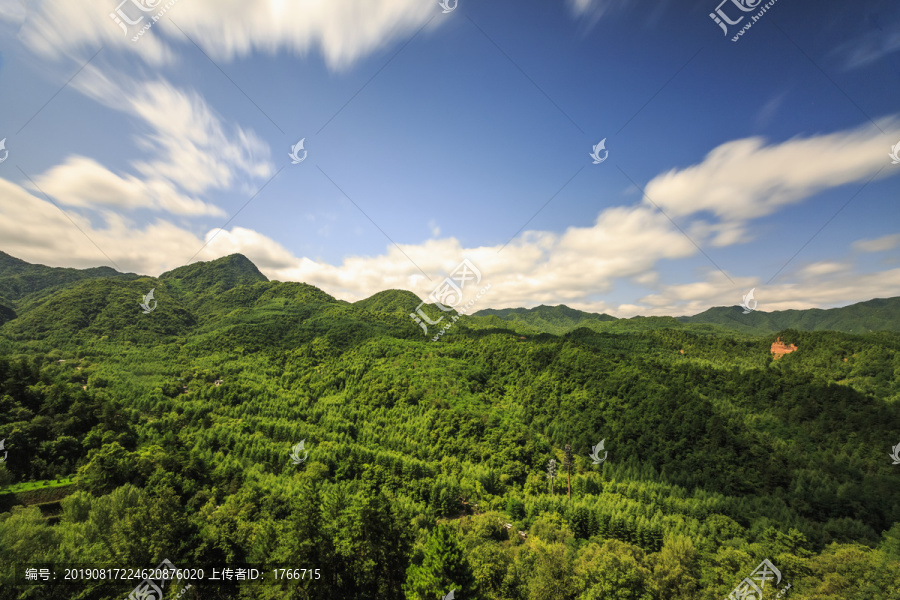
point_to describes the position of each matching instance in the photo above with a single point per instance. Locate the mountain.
(429, 454)
(213, 288)
(19, 279)
(207, 305)
(549, 319)
(879, 314)
(215, 276)
(390, 301)
(96, 308)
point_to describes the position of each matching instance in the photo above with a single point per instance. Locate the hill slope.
(390, 301)
(550, 319)
(180, 429)
(215, 276)
(879, 314)
(19, 279)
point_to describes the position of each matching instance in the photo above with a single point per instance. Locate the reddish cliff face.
(779, 348)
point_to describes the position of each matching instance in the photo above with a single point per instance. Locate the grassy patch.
(27, 486)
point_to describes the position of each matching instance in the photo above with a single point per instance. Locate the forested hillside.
(19, 279)
(880, 314)
(427, 465)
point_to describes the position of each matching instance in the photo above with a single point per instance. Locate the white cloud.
(881, 244)
(870, 47)
(342, 31)
(190, 150)
(819, 285)
(824, 268)
(769, 109)
(37, 231)
(745, 179)
(194, 148)
(85, 183)
(13, 11)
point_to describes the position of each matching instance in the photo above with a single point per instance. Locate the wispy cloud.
(869, 47)
(193, 146)
(85, 183)
(881, 244)
(769, 109)
(342, 31)
(190, 150)
(817, 286)
(746, 179)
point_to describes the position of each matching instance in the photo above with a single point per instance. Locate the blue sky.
(435, 137)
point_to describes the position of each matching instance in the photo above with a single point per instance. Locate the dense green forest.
(427, 464)
(879, 314)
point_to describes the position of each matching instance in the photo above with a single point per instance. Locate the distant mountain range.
(40, 297)
(880, 314)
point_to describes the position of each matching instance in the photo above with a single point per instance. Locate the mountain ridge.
(233, 281)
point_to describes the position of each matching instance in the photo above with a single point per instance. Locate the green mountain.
(20, 279)
(390, 301)
(879, 314)
(550, 319)
(426, 465)
(215, 276)
(97, 308)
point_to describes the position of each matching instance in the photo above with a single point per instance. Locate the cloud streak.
(343, 32)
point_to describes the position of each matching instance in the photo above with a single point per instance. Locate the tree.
(108, 468)
(443, 568)
(27, 538)
(568, 465)
(370, 546)
(490, 564)
(552, 578)
(551, 473)
(614, 570)
(675, 570)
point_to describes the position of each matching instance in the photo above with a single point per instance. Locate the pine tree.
(444, 568)
(568, 465)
